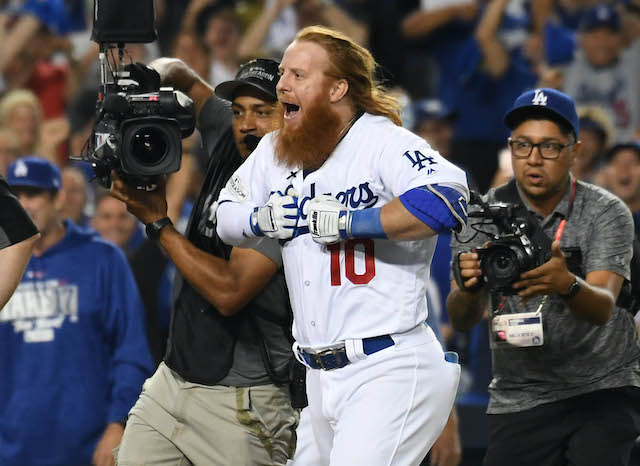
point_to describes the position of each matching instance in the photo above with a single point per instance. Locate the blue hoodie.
(73, 352)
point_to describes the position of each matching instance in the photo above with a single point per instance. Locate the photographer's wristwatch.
(153, 229)
(573, 289)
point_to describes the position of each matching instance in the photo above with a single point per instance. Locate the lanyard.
(563, 223)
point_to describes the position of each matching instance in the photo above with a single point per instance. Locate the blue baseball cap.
(34, 172)
(541, 102)
(601, 16)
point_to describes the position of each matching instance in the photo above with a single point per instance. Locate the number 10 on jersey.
(350, 261)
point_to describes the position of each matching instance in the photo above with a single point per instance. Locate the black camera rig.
(139, 125)
(516, 248)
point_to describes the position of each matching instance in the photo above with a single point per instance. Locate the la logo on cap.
(539, 98)
(21, 169)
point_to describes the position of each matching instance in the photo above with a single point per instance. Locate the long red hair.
(350, 61)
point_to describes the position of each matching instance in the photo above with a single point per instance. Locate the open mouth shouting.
(290, 110)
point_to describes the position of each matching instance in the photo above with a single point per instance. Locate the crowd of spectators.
(457, 66)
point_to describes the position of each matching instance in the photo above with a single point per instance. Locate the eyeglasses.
(548, 150)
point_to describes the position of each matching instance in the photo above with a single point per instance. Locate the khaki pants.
(176, 422)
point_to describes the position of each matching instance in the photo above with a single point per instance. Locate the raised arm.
(253, 40)
(495, 56)
(422, 22)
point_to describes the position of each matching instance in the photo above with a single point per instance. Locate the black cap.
(261, 74)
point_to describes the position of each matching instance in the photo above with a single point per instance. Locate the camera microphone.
(251, 141)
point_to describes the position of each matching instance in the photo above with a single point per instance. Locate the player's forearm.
(233, 224)
(465, 309)
(211, 276)
(13, 262)
(400, 225)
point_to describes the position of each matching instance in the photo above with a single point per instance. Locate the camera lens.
(504, 264)
(501, 266)
(149, 145)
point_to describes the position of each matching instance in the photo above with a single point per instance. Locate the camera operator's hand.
(147, 206)
(176, 73)
(552, 277)
(470, 270)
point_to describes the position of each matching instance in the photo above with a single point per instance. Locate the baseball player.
(356, 202)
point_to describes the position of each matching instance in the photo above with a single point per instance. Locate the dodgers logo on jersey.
(351, 198)
(418, 159)
(37, 309)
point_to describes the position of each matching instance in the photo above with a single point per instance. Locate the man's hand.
(278, 219)
(103, 455)
(552, 277)
(470, 270)
(176, 73)
(147, 206)
(327, 218)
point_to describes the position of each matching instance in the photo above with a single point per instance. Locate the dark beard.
(310, 145)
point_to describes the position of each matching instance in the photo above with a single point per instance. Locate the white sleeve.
(409, 162)
(245, 190)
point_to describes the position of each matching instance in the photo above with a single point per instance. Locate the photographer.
(223, 383)
(565, 357)
(18, 236)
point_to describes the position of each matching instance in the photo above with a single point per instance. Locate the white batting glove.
(327, 219)
(278, 219)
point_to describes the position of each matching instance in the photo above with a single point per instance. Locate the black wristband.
(573, 289)
(153, 229)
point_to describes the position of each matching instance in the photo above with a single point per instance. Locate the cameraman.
(565, 387)
(221, 394)
(18, 236)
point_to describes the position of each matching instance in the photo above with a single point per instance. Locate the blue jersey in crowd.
(73, 352)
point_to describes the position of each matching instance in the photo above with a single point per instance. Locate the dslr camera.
(139, 125)
(513, 250)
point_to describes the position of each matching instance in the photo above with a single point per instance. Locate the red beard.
(311, 144)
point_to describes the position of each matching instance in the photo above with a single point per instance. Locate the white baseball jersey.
(363, 287)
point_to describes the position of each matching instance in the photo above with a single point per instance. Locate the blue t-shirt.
(73, 352)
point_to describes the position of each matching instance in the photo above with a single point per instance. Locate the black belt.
(335, 358)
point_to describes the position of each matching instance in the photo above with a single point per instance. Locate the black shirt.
(15, 223)
(204, 346)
